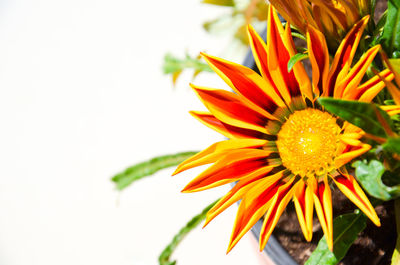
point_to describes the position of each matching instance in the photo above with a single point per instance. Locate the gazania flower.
(282, 146)
(332, 17)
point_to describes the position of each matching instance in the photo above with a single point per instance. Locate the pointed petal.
(278, 58)
(391, 109)
(298, 69)
(241, 188)
(303, 202)
(278, 205)
(351, 153)
(348, 87)
(215, 151)
(225, 129)
(319, 58)
(254, 205)
(235, 165)
(323, 207)
(247, 83)
(367, 91)
(349, 186)
(344, 55)
(229, 108)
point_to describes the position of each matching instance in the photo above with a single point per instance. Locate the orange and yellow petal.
(230, 108)
(254, 205)
(319, 58)
(225, 129)
(323, 207)
(281, 198)
(349, 186)
(303, 202)
(216, 151)
(344, 56)
(233, 166)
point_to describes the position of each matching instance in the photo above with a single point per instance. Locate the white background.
(82, 97)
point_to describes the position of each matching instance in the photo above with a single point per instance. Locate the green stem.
(167, 252)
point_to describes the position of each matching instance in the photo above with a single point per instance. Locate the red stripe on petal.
(225, 129)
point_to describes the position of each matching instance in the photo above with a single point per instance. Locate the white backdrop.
(82, 97)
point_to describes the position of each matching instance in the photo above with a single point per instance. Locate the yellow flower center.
(308, 142)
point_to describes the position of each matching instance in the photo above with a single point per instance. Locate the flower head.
(332, 17)
(282, 146)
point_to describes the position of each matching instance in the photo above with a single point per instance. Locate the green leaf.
(345, 230)
(391, 32)
(370, 178)
(167, 252)
(173, 65)
(358, 113)
(392, 145)
(147, 168)
(299, 35)
(296, 58)
(219, 2)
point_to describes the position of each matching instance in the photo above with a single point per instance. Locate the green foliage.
(391, 32)
(219, 2)
(167, 252)
(147, 168)
(173, 64)
(345, 230)
(296, 58)
(361, 114)
(392, 145)
(370, 177)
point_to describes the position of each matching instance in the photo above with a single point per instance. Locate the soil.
(373, 246)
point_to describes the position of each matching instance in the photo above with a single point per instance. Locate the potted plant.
(301, 140)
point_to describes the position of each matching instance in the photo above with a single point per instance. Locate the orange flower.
(332, 17)
(282, 146)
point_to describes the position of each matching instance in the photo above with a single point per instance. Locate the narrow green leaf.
(391, 32)
(396, 252)
(358, 113)
(345, 230)
(147, 168)
(167, 252)
(392, 145)
(219, 2)
(173, 64)
(370, 177)
(299, 35)
(296, 58)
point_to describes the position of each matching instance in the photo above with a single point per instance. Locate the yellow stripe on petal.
(254, 205)
(227, 130)
(215, 151)
(344, 55)
(246, 82)
(391, 109)
(349, 186)
(235, 165)
(319, 58)
(298, 68)
(303, 202)
(323, 207)
(229, 108)
(278, 205)
(236, 193)
(346, 157)
(368, 90)
(348, 86)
